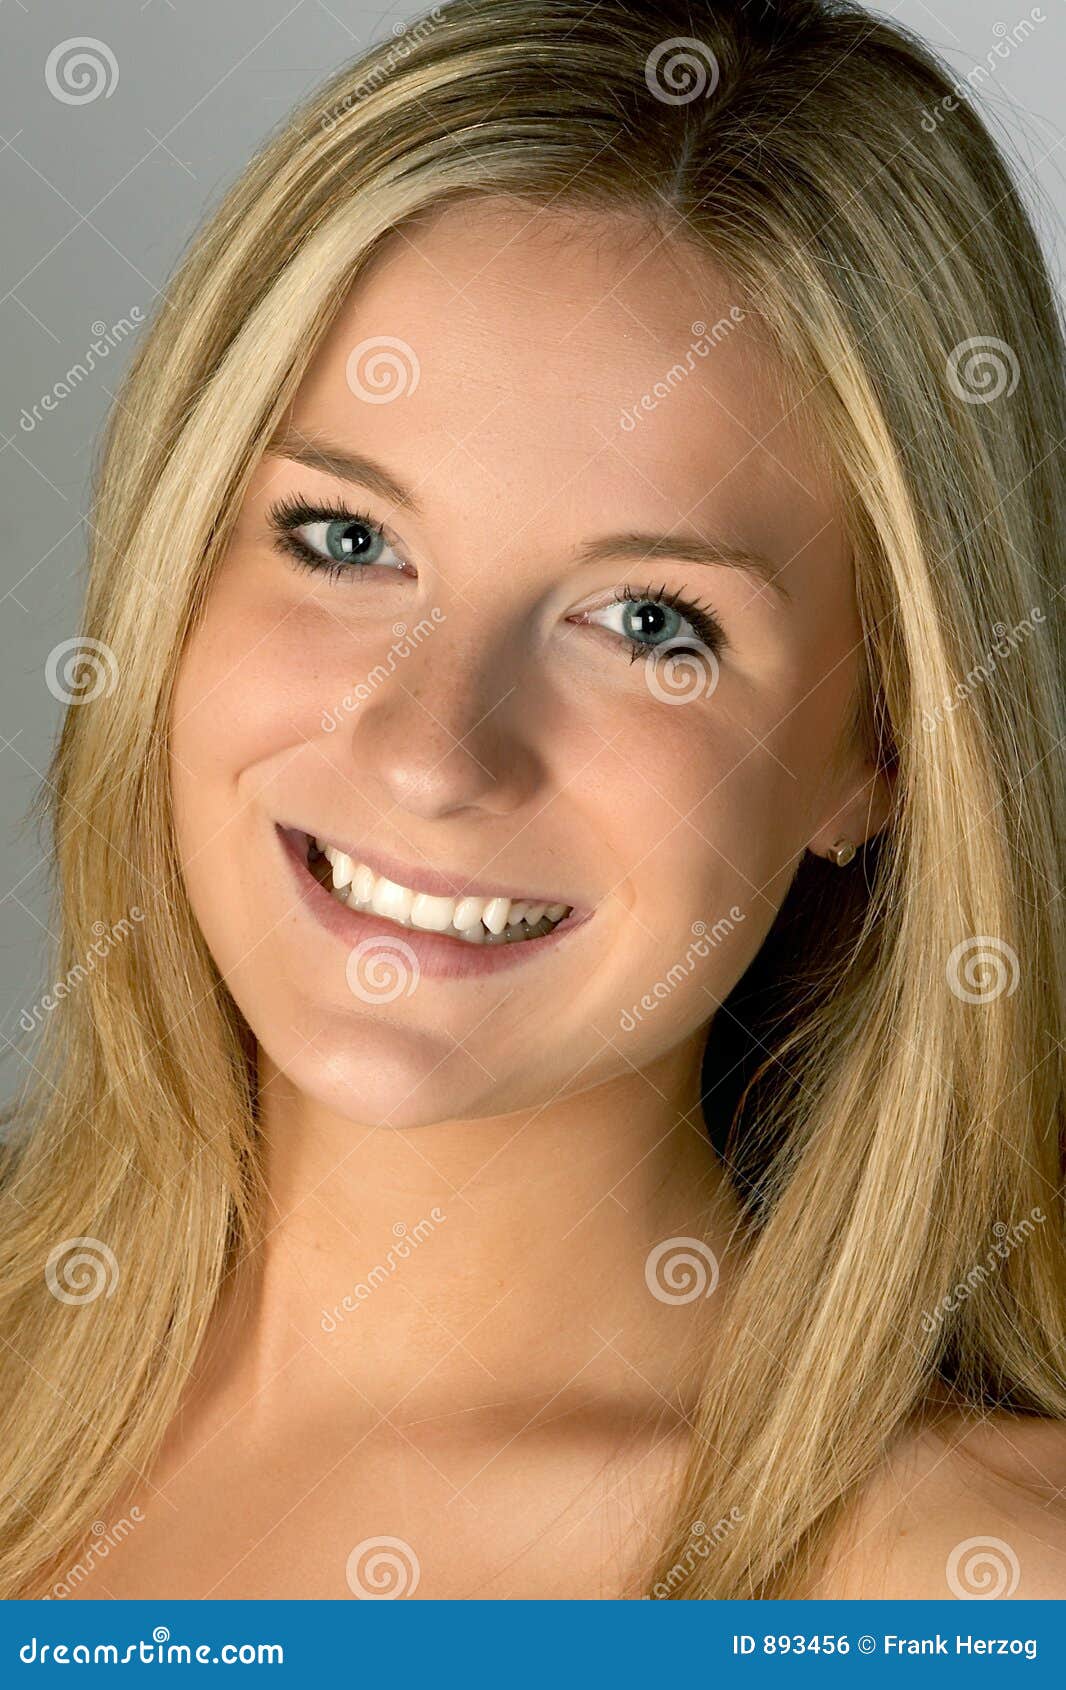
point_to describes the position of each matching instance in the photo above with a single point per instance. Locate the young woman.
(569, 1099)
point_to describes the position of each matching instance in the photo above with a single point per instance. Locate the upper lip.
(436, 883)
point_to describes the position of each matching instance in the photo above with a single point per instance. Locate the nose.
(442, 734)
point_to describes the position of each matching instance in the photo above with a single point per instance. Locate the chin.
(378, 1074)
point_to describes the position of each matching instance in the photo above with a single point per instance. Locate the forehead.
(498, 346)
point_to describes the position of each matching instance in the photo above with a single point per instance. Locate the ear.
(863, 806)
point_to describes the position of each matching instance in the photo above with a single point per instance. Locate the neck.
(478, 1259)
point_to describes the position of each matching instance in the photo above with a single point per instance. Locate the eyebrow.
(356, 467)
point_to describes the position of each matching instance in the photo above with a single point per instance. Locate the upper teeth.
(480, 920)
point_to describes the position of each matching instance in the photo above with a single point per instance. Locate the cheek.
(709, 805)
(695, 797)
(693, 845)
(248, 673)
(244, 690)
(742, 775)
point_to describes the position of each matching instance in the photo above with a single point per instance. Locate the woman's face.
(572, 624)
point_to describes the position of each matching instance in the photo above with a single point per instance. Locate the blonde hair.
(905, 1103)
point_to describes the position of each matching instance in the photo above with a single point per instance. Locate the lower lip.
(438, 957)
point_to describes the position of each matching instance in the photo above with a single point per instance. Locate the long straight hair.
(901, 1111)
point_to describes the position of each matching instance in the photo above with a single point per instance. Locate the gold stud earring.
(842, 852)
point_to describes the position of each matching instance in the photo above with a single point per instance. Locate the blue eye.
(330, 537)
(650, 620)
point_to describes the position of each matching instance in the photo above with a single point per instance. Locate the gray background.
(99, 200)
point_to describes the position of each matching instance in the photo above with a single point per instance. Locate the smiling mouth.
(468, 919)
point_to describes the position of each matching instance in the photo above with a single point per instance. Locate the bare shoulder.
(970, 1507)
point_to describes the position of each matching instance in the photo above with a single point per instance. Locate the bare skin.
(974, 1507)
(510, 1399)
(507, 1404)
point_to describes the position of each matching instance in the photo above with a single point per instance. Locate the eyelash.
(704, 623)
(293, 512)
